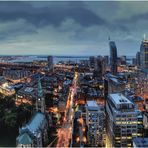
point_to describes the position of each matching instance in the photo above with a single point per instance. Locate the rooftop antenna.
(144, 36)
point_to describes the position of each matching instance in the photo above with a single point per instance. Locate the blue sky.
(71, 28)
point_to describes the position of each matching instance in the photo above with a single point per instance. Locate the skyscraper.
(144, 55)
(113, 57)
(138, 58)
(50, 63)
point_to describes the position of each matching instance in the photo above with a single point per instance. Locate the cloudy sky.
(71, 28)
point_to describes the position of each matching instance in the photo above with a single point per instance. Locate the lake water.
(56, 59)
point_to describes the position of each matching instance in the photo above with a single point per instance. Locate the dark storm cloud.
(71, 27)
(48, 15)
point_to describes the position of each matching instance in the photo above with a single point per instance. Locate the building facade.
(50, 63)
(123, 121)
(144, 55)
(113, 57)
(95, 121)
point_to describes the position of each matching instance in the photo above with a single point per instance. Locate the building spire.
(40, 91)
(40, 101)
(144, 36)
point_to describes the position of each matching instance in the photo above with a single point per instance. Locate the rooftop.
(92, 105)
(36, 121)
(28, 89)
(24, 139)
(35, 124)
(120, 101)
(141, 142)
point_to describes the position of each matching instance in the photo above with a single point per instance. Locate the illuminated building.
(123, 120)
(113, 57)
(145, 120)
(26, 95)
(95, 121)
(144, 55)
(5, 88)
(15, 75)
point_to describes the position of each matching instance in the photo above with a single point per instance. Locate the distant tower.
(40, 101)
(50, 63)
(144, 55)
(113, 57)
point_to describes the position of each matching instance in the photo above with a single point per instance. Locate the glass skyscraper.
(113, 57)
(144, 55)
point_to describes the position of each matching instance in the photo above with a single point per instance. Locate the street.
(65, 132)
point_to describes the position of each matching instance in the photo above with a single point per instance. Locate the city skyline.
(71, 28)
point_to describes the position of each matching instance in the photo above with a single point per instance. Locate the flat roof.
(119, 98)
(28, 89)
(121, 102)
(92, 105)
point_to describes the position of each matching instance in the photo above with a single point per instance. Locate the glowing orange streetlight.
(84, 139)
(77, 139)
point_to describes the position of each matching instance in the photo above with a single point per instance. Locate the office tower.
(113, 57)
(144, 55)
(95, 121)
(134, 61)
(138, 59)
(106, 58)
(92, 61)
(123, 60)
(50, 63)
(100, 66)
(113, 84)
(123, 120)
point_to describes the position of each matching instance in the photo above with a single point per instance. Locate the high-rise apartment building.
(123, 120)
(113, 57)
(95, 121)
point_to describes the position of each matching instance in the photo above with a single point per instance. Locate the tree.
(10, 119)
